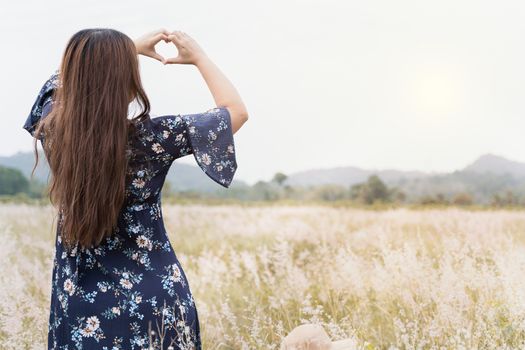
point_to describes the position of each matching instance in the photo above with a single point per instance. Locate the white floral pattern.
(109, 296)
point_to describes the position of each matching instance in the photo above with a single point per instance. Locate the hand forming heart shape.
(188, 50)
(145, 45)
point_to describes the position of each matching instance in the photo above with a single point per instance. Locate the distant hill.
(488, 175)
(347, 176)
(350, 175)
(24, 161)
(182, 177)
(480, 185)
(494, 164)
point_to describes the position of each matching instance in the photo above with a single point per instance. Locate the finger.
(179, 35)
(160, 36)
(163, 31)
(158, 57)
(175, 38)
(173, 60)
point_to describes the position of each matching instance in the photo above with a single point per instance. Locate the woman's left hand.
(145, 45)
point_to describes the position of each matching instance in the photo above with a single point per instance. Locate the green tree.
(265, 191)
(432, 200)
(462, 199)
(329, 192)
(505, 199)
(280, 178)
(371, 191)
(397, 195)
(12, 181)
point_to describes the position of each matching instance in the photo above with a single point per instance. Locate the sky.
(410, 85)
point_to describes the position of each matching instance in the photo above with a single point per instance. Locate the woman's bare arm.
(222, 90)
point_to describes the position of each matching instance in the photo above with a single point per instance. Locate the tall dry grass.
(393, 279)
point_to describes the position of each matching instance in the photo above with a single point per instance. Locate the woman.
(117, 283)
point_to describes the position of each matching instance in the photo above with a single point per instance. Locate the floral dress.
(131, 292)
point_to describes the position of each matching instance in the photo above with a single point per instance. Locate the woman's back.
(113, 295)
(123, 287)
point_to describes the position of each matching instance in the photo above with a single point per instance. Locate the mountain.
(185, 177)
(494, 164)
(486, 177)
(182, 177)
(489, 175)
(348, 176)
(24, 161)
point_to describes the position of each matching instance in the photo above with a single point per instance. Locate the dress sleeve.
(208, 136)
(42, 105)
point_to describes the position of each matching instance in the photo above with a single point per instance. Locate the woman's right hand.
(145, 45)
(189, 51)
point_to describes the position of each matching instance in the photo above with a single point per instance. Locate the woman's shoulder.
(150, 137)
(157, 123)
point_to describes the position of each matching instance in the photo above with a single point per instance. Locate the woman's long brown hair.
(86, 133)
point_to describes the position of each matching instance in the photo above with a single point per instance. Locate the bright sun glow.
(435, 94)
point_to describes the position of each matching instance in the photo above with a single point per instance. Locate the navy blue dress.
(130, 292)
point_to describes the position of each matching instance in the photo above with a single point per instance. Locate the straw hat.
(313, 337)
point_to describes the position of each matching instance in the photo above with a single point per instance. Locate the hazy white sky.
(377, 84)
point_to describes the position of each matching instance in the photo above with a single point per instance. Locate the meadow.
(387, 279)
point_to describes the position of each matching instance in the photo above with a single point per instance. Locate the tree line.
(370, 192)
(14, 183)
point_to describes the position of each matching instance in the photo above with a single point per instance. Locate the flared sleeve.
(208, 136)
(42, 104)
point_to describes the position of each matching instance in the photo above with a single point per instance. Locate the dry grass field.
(390, 279)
